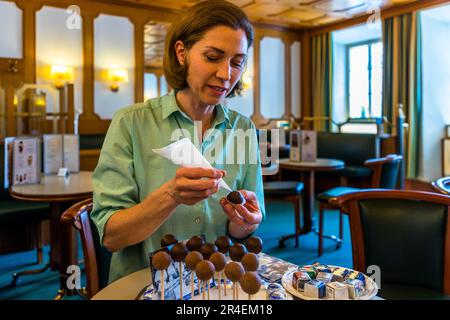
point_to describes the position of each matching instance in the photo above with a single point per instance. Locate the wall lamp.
(116, 77)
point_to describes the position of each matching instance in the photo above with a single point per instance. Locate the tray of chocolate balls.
(196, 270)
(325, 282)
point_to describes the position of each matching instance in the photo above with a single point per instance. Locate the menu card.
(26, 160)
(61, 151)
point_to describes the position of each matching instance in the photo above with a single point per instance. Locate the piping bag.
(184, 153)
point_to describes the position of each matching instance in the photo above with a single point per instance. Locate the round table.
(60, 193)
(126, 288)
(131, 287)
(310, 168)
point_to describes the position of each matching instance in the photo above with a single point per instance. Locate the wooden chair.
(384, 175)
(442, 185)
(96, 258)
(407, 235)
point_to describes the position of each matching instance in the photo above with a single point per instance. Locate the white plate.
(369, 292)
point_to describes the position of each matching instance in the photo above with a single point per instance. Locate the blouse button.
(197, 220)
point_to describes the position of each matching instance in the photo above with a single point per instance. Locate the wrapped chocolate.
(356, 275)
(315, 289)
(321, 267)
(339, 274)
(276, 295)
(274, 286)
(337, 291)
(299, 279)
(325, 277)
(312, 273)
(355, 288)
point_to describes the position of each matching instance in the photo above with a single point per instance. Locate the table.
(60, 193)
(310, 168)
(131, 287)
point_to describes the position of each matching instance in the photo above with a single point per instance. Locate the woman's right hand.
(191, 185)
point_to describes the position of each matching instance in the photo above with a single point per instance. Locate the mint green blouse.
(128, 170)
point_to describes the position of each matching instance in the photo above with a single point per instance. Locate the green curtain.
(402, 81)
(322, 79)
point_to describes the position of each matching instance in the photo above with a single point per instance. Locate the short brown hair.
(191, 28)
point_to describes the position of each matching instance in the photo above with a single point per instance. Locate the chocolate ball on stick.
(207, 250)
(192, 259)
(205, 271)
(161, 262)
(234, 271)
(195, 243)
(254, 244)
(250, 262)
(237, 251)
(167, 240)
(178, 253)
(250, 283)
(235, 197)
(219, 261)
(223, 243)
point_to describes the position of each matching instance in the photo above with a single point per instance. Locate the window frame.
(369, 43)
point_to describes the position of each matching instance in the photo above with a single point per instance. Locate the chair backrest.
(405, 233)
(352, 148)
(442, 185)
(385, 171)
(96, 258)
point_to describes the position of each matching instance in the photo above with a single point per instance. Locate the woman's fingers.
(198, 173)
(185, 184)
(249, 217)
(232, 214)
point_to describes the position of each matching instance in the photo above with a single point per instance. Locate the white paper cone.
(185, 154)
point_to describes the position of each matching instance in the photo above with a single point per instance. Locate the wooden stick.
(162, 284)
(181, 281)
(225, 284)
(237, 290)
(192, 285)
(234, 291)
(203, 291)
(208, 283)
(220, 298)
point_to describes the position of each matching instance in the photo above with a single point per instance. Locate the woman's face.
(215, 63)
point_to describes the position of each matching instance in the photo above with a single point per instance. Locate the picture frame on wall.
(446, 157)
(447, 132)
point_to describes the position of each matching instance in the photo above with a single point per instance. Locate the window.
(364, 79)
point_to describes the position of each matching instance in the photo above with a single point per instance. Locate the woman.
(138, 195)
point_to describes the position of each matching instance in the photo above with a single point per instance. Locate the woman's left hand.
(244, 219)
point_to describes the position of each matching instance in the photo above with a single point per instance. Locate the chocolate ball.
(205, 270)
(179, 252)
(254, 244)
(161, 260)
(250, 283)
(167, 240)
(237, 251)
(192, 259)
(207, 250)
(234, 271)
(235, 197)
(195, 243)
(250, 262)
(218, 260)
(223, 243)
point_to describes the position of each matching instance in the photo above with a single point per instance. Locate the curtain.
(402, 82)
(322, 77)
